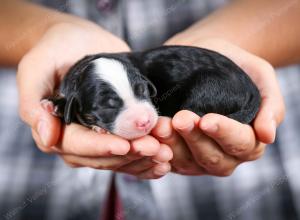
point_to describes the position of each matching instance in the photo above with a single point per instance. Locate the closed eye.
(112, 103)
(141, 90)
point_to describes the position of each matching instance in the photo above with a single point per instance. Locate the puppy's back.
(202, 81)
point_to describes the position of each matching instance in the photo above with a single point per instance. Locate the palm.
(42, 69)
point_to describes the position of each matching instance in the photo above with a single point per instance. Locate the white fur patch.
(113, 72)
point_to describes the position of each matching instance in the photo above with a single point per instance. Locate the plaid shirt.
(36, 186)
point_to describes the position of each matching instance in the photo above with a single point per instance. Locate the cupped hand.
(40, 72)
(215, 144)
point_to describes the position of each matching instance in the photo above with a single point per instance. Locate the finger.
(104, 163)
(82, 141)
(164, 154)
(205, 151)
(39, 143)
(137, 166)
(33, 85)
(155, 172)
(235, 138)
(182, 161)
(269, 117)
(257, 153)
(272, 109)
(145, 146)
(265, 124)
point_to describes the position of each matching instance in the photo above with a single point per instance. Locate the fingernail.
(211, 127)
(120, 149)
(43, 132)
(57, 150)
(165, 134)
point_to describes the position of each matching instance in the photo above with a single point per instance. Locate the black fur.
(173, 77)
(202, 81)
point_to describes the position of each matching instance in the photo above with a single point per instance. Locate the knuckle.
(236, 149)
(210, 162)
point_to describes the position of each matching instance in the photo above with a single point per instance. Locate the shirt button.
(105, 5)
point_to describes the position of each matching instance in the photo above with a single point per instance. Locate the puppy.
(123, 93)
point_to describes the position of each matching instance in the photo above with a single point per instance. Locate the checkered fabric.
(36, 186)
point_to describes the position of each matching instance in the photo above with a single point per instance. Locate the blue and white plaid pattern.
(36, 186)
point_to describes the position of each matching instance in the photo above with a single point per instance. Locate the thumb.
(35, 79)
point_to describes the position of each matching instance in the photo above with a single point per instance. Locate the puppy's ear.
(151, 86)
(66, 108)
(71, 107)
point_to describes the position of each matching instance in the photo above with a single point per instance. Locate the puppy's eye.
(112, 103)
(141, 90)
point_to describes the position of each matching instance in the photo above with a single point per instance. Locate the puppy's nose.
(143, 123)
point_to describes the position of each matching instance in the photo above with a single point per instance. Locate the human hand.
(40, 72)
(215, 144)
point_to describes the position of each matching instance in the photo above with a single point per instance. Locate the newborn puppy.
(122, 93)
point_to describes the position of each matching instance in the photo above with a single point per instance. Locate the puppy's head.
(108, 93)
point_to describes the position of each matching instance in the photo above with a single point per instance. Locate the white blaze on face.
(139, 116)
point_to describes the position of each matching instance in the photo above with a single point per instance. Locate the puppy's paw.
(99, 130)
(49, 106)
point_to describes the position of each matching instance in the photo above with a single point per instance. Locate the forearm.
(269, 29)
(21, 25)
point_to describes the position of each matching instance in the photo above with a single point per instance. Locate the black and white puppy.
(122, 93)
